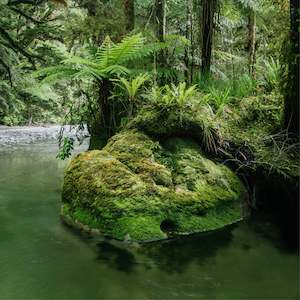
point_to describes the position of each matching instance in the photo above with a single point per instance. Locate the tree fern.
(109, 61)
(133, 86)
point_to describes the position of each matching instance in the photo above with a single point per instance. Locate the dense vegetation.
(102, 63)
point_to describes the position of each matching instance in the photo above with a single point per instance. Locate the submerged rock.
(139, 189)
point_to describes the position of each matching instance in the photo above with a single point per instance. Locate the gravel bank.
(28, 135)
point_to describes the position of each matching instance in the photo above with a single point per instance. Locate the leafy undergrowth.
(244, 132)
(252, 131)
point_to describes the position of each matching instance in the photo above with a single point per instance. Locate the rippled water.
(41, 258)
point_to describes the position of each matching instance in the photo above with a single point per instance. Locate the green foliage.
(39, 36)
(24, 104)
(221, 93)
(244, 86)
(108, 62)
(62, 48)
(181, 93)
(66, 146)
(25, 35)
(96, 71)
(172, 95)
(8, 102)
(218, 98)
(271, 72)
(196, 120)
(132, 87)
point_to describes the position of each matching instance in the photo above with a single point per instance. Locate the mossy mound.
(138, 189)
(195, 121)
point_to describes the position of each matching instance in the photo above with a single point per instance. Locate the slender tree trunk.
(29, 116)
(160, 24)
(291, 109)
(91, 7)
(188, 35)
(160, 19)
(129, 14)
(192, 43)
(208, 13)
(252, 42)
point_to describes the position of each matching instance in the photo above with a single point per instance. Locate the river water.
(40, 258)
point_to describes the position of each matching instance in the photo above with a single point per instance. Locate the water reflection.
(171, 256)
(40, 258)
(176, 255)
(116, 257)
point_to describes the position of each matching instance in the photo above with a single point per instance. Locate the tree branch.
(14, 45)
(32, 2)
(25, 15)
(7, 68)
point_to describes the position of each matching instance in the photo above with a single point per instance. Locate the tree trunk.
(291, 109)
(91, 7)
(29, 116)
(129, 14)
(160, 24)
(188, 35)
(192, 42)
(160, 19)
(252, 42)
(208, 14)
(101, 128)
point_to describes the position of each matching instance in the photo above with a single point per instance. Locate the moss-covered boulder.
(138, 189)
(195, 121)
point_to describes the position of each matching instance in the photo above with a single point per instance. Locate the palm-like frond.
(133, 86)
(169, 95)
(183, 93)
(117, 54)
(271, 70)
(109, 61)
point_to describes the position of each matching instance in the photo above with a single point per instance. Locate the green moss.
(195, 121)
(252, 123)
(127, 190)
(98, 173)
(136, 150)
(81, 215)
(213, 219)
(138, 228)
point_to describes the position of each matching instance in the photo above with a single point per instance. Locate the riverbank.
(31, 134)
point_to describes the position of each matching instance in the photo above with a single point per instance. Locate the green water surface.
(40, 258)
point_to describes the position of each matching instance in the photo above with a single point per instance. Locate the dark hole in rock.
(168, 226)
(201, 213)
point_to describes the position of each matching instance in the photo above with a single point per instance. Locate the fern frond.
(132, 87)
(102, 56)
(77, 60)
(109, 61)
(116, 69)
